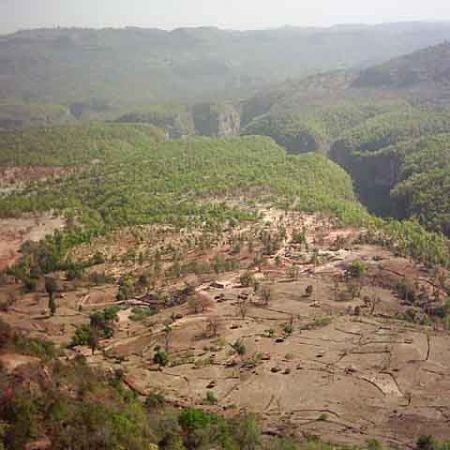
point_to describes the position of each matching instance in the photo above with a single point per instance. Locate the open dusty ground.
(350, 370)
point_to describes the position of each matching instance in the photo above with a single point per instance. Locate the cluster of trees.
(101, 326)
(73, 145)
(423, 188)
(303, 129)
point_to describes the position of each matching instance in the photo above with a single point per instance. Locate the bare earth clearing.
(14, 232)
(315, 364)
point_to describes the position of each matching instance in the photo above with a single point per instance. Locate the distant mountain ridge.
(134, 66)
(422, 76)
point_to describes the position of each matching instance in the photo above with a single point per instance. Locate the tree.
(294, 272)
(200, 302)
(157, 265)
(211, 399)
(248, 433)
(266, 295)
(167, 331)
(299, 237)
(160, 357)
(315, 257)
(242, 307)
(51, 287)
(247, 279)
(357, 271)
(93, 339)
(425, 442)
(212, 327)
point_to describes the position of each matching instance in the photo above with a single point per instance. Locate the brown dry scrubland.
(290, 335)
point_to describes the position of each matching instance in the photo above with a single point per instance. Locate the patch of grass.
(211, 398)
(317, 323)
(140, 313)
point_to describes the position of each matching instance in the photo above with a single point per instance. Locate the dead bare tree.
(167, 335)
(265, 295)
(213, 326)
(242, 307)
(374, 302)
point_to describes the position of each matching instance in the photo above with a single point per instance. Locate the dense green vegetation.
(300, 128)
(400, 163)
(295, 133)
(388, 129)
(398, 155)
(153, 182)
(74, 145)
(424, 185)
(137, 179)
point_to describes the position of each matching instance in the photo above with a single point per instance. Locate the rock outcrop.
(216, 119)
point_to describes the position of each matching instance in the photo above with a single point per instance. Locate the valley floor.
(316, 362)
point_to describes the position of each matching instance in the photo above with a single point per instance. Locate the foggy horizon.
(16, 15)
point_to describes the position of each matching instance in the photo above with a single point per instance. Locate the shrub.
(247, 279)
(211, 399)
(357, 269)
(288, 329)
(138, 314)
(373, 444)
(160, 357)
(155, 400)
(239, 347)
(406, 290)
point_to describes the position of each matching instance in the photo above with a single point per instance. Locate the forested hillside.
(377, 127)
(127, 175)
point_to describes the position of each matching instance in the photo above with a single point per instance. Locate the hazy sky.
(240, 14)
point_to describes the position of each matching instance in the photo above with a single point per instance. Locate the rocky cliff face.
(216, 119)
(375, 174)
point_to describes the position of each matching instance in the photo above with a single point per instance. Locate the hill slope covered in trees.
(374, 127)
